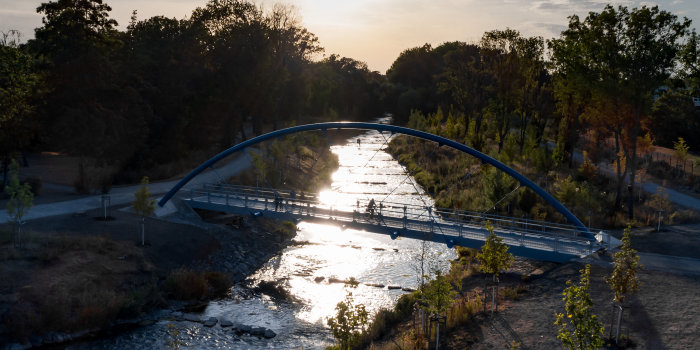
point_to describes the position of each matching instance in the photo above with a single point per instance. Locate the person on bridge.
(371, 207)
(358, 143)
(278, 200)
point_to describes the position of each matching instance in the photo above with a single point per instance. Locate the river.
(365, 172)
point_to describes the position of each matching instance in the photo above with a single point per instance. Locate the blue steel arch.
(524, 181)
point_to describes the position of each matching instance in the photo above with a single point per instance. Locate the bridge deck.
(531, 239)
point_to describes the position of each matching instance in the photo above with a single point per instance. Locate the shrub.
(219, 284)
(183, 284)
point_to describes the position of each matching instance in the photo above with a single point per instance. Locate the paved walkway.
(124, 195)
(650, 187)
(654, 262)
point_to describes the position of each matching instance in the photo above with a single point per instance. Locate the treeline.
(626, 77)
(165, 89)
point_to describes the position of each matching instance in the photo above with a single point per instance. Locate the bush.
(287, 230)
(219, 284)
(183, 284)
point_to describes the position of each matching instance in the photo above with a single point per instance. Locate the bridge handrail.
(441, 213)
(445, 211)
(499, 225)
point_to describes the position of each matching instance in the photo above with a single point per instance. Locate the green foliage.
(144, 205)
(618, 73)
(19, 85)
(510, 150)
(349, 322)
(579, 196)
(579, 328)
(497, 185)
(624, 281)
(440, 294)
(417, 121)
(21, 196)
(494, 256)
(680, 149)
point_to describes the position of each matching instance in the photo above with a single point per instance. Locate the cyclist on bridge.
(371, 207)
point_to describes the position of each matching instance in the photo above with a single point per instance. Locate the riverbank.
(661, 315)
(77, 275)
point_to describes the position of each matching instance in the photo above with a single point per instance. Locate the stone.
(226, 323)
(192, 318)
(259, 331)
(319, 279)
(245, 328)
(211, 322)
(269, 334)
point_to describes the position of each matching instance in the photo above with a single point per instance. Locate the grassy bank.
(66, 283)
(403, 327)
(301, 162)
(458, 181)
(92, 273)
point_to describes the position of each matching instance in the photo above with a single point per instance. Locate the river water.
(365, 172)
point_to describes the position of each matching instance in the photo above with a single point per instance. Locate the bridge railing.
(413, 211)
(435, 218)
(533, 226)
(392, 217)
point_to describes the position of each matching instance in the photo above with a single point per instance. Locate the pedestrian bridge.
(526, 238)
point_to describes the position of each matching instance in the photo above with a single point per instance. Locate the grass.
(67, 283)
(443, 173)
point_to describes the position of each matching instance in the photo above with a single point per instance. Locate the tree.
(620, 57)
(19, 85)
(586, 331)
(89, 108)
(21, 200)
(680, 149)
(144, 205)
(624, 281)
(439, 294)
(350, 320)
(494, 258)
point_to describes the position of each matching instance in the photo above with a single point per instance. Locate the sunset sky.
(376, 31)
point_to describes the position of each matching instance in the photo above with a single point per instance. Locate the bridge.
(528, 238)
